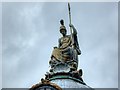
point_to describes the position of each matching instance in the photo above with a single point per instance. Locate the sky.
(30, 31)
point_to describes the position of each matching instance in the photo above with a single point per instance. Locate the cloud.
(31, 30)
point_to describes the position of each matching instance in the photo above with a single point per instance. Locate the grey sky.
(30, 30)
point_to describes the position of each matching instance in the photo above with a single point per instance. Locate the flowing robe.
(65, 51)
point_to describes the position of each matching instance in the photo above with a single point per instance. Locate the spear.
(70, 22)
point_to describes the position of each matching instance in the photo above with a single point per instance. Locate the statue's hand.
(71, 25)
(74, 30)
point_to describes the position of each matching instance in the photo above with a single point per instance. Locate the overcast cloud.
(31, 30)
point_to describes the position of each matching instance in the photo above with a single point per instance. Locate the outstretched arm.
(74, 30)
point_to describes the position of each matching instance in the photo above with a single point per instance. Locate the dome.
(68, 83)
(60, 78)
(65, 79)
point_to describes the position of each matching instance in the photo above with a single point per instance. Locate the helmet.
(62, 27)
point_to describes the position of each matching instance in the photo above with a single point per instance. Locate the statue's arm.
(74, 30)
(59, 43)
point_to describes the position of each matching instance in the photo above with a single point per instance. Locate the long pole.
(70, 22)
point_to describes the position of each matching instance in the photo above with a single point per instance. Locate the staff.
(70, 23)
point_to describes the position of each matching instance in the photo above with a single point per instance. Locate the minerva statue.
(68, 48)
(64, 60)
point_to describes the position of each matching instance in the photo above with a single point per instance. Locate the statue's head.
(63, 30)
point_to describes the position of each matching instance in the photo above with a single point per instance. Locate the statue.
(68, 48)
(67, 52)
(64, 61)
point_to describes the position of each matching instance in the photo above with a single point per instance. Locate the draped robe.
(65, 51)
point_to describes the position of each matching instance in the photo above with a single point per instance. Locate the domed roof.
(64, 78)
(69, 83)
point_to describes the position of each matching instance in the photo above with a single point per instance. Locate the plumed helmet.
(62, 27)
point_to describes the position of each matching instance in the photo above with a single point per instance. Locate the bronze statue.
(68, 48)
